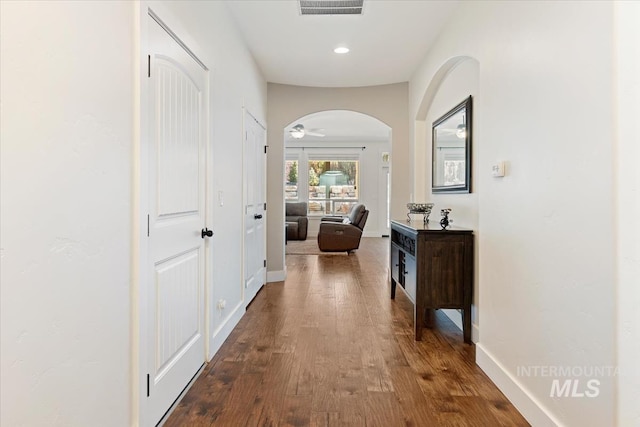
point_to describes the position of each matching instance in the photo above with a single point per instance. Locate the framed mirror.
(451, 150)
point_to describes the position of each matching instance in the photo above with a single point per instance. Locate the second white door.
(254, 208)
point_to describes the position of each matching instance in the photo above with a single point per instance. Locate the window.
(328, 182)
(333, 186)
(291, 180)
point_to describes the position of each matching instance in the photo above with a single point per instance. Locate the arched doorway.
(456, 79)
(335, 159)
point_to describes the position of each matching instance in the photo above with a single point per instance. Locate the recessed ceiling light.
(341, 49)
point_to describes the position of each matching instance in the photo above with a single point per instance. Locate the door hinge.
(147, 225)
(147, 385)
(148, 65)
(265, 206)
(265, 149)
(265, 263)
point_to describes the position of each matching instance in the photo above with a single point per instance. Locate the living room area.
(334, 161)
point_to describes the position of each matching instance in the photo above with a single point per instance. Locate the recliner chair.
(337, 235)
(296, 220)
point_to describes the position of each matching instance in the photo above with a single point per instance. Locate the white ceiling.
(387, 41)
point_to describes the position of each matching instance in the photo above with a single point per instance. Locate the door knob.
(206, 233)
(257, 216)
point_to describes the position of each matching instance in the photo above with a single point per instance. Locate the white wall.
(68, 151)
(627, 153)
(67, 127)
(546, 234)
(387, 103)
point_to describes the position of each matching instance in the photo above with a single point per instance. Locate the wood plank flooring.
(328, 347)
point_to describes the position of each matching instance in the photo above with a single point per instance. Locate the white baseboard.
(276, 276)
(375, 233)
(456, 317)
(530, 408)
(223, 331)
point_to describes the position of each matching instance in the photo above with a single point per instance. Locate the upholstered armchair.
(296, 221)
(339, 234)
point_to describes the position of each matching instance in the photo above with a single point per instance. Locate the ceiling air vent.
(331, 7)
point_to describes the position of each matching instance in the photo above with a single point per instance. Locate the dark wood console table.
(434, 267)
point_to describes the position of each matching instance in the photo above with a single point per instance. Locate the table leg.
(418, 321)
(429, 317)
(466, 325)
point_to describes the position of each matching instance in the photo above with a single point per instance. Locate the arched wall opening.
(286, 104)
(455, 80)
(334, 160)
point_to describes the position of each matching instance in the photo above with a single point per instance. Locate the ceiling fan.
(298, 132)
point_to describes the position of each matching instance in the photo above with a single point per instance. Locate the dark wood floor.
(328, 347)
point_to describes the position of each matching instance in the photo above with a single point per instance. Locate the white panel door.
(176, 273)
(254, 199)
